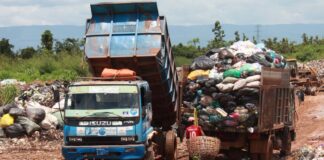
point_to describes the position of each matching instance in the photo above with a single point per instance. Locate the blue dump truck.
(115, 118)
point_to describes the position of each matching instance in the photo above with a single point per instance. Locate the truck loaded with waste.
(112, 114)
(243, 97)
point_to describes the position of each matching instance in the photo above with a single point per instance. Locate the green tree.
(27, 53)
(316, 40)
(219, 34)
(6, 47)
(237, 36)
(245, 38)
(305, 38)
(311, 40)
(47, 40)
(194, 42)
(70, 45)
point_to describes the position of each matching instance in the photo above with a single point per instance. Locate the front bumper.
(134, 151)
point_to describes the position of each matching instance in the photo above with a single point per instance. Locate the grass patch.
(180, 60)
(8, 94)
(63, 66)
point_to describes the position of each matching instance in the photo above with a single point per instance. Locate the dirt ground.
(309, 128)
(310, 125)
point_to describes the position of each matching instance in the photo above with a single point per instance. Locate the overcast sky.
(178, 12)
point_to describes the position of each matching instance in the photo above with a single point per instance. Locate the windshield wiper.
(96, 113)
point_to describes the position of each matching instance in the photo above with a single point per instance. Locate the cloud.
(178, 12)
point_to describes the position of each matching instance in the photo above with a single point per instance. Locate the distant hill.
(24, 36)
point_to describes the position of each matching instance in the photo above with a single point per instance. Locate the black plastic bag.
(15, 130)
(35, 114)
(15, 112)
(29, 126)
(7, 107)
(202, 62)
(213, 51)
(248, 92)
(224, 53)
(229, 106)
(2, 133)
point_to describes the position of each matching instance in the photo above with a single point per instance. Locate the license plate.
(101, 152)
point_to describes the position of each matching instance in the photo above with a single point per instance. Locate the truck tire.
(269, 151)
(170, 145)
(286, 142)
(265, 153)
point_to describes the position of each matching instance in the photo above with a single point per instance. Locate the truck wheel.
(286, 145)
(170, 145)
(269, 150)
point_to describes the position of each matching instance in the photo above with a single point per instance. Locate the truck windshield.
(91, 101)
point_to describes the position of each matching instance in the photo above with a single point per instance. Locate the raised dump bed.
(134, 36)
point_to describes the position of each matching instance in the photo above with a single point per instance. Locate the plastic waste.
(230, 80)
(15, 130)
(2, 133)
(29, 126)
(15, 112)
(6, 120)
(203, 63)
(254, 84)
(50, 122)
(225, 87)
(35, 114)
(198, 73)
(232, 73)
(239, 84)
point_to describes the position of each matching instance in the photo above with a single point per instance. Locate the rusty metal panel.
(277, 107)
(96, 47)
(266, 110)
(99, 25)
(274, 76)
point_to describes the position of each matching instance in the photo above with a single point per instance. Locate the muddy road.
(309, 128)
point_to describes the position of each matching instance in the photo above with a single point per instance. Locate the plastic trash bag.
(15, 130)
(214, 74)
(198, 73)
(230, 80)
(206, 100)
(29, 126)
(213, 51)
(239, 84)
(225, 53)
(254, 84)
(6, 120)
(7, 107)
(50, 122)
(202, 62)
(253, 78)
(214, 119)
(2, 133)
(225, 87)
(59, 117)
(35, 114)
(15, 112)
(232, 73)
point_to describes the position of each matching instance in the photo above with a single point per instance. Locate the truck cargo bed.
(138, 40)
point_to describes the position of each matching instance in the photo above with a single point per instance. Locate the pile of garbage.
(310, 153)
(319, 65)
(224, 85)
(33, 110)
